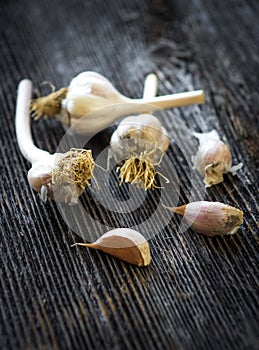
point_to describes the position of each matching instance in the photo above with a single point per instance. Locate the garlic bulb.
(87, 92)
(140, 142)
(62, 177)
(91, 103)
(123, 243)
(211, 218)
(213, 158)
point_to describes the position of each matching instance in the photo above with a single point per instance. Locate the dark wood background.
(198, 292)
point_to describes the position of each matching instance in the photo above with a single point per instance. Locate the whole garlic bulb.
(91, 103)
(213, 158)
(140, 135)
(140, 142)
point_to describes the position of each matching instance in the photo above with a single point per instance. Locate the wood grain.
(198, 292)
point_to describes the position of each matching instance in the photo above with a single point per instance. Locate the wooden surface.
(199, 292)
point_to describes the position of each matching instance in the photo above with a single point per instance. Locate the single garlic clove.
(123, 243)
(211, 218)
(213, 158)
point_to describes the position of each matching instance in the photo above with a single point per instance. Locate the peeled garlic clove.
(213, 158)
(123, 243)
(211, 218)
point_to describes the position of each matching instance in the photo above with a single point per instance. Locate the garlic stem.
(101, 118)
(150, 86)
(22, 123)
(174, 100)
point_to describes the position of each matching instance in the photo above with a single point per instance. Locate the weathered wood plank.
(199, 292)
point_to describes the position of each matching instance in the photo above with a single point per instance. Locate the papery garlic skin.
(211, 218)
(88, 92)
(213, 158)
(140, 135)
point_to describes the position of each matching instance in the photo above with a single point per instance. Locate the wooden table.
(198, 292)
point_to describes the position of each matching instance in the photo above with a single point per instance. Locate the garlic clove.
(40, 175)
(125, 244)
(213, 158)
(210, 218)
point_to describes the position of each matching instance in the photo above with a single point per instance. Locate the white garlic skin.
(88, 92)
(40, 175)
(142, 134)
(213, 158)
(211, 218)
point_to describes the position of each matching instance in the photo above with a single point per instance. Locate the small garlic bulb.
(140, 142)
(213, 158)
(62, 177)
(210, 218)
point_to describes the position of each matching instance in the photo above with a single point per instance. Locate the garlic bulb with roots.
(213, 158)
(139, 143)
(91, 103)
(59, 176)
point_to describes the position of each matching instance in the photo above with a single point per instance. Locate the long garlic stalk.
(91, 103)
